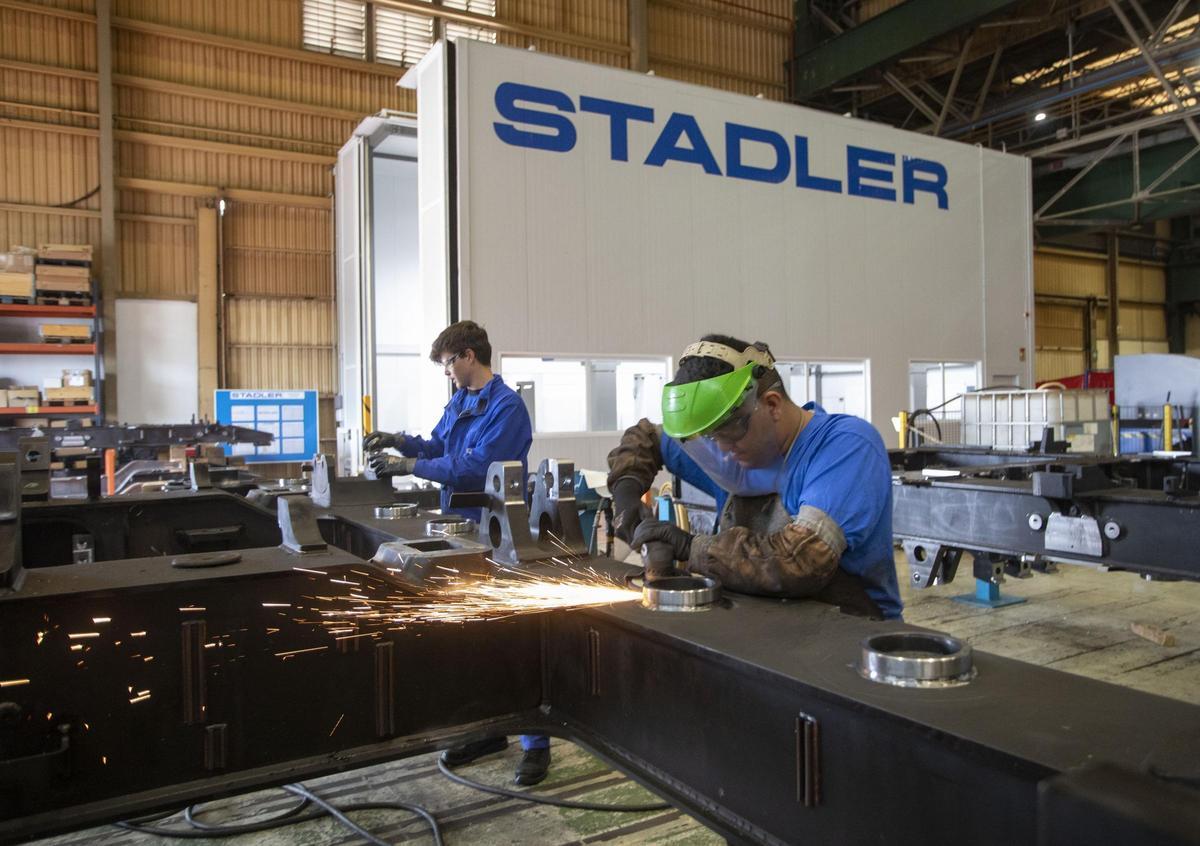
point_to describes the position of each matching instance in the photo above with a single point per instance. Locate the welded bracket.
(504, 519)
(298, 525)
(931, 563)
(553, 516)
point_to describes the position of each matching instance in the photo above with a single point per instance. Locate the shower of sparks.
(379, 603)
(338, 723)
(14, 682)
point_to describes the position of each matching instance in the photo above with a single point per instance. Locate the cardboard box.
(4, 398)
(32, 423)
(80, 395)
(70, 331)
(65, 252)
(76, 378)
(24, 396)
(20, 260)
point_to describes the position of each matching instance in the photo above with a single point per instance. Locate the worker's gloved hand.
(382, 440)
(628, 509)
(662, 532)
(382, 465)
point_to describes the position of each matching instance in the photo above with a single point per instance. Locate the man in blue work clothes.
(484, 421)
(809, 508)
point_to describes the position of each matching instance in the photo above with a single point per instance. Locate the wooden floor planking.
(1077, 620)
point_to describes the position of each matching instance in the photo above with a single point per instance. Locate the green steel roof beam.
(879, 40)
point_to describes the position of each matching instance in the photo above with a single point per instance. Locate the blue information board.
(290, 416)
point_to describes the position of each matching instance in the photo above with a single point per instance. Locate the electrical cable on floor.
(199, 830)
(548, 800)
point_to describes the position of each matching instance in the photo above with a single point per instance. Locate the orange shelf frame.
(47, 349)
(18, 310)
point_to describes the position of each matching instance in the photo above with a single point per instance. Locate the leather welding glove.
(660, 531)
(383, 464)
(382, 440)
(628, 509)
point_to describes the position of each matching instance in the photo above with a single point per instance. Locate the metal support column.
(110, 257)
(1113, 294)
(639, 36)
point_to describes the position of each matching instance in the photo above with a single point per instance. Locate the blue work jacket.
(476, 428)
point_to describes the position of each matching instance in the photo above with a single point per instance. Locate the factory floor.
(1078, 620)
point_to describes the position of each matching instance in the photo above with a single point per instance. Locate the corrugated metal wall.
(1072, 310)
(216, 99)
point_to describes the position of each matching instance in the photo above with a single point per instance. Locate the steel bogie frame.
(197, 681)
(1017, 511)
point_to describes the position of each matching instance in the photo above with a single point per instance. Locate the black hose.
(548, 800)
(922, 412)
(202, 831)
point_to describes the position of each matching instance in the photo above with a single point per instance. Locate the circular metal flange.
(197, 560)
(916, 659)
(395, 512)
(681, 593)
(449, 525)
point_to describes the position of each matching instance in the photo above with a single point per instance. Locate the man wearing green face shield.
(809, 508)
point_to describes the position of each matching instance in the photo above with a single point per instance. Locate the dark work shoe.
(533, 766)
(456, 756)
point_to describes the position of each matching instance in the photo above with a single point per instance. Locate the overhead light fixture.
(1040, 116)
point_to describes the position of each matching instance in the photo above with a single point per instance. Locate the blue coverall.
(477, 428)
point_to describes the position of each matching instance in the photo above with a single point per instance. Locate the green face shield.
(698, 408)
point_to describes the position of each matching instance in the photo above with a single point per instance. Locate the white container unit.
(1014, 419)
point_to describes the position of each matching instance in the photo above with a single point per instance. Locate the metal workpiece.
(424, 563)
(1137, 513)
(680, 593)
(553, 515)
(330, 491)
(395, 512)
(117, 436)
(450, 525)
(916, 659)
(33, 457)
(804, 741)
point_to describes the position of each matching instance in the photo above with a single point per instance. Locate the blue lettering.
(856, 172)
(667, 148)
(806, 180)
(935, 183)
(619, 115)
(735, 134)
(509, 94)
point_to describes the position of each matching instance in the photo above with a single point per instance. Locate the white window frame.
(810, 360)
(585, 358)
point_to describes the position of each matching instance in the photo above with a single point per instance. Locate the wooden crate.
(83, 396)
(24, 396)
(54, 277)
(65, 331)
(65, 252)
(16, 285)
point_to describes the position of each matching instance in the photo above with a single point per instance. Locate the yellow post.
(367, 427)
(1116, 431)
(1168, 426)
(903, 430)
